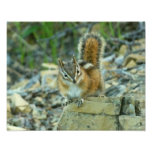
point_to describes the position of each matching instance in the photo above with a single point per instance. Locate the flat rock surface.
(14, 128)
(99, 106)
(103, 113)
(20, 104)
(80, 121)
(132, 122)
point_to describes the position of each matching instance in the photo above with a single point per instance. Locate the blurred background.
(32, 43)
(33, 100)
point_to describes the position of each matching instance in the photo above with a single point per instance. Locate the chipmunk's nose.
(74, 81)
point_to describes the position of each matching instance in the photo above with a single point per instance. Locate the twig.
(13, 71)
(27, 45)
(123, 41)
(90, 26)
(134, 33)
(61, 34)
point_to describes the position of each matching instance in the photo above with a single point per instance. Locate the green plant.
(29, 34)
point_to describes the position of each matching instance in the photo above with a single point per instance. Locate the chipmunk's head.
(70, 71)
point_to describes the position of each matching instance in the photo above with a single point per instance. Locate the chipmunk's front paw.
(79, 102)
(67, 102)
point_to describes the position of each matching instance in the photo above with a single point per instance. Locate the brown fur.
(92, 83)
(91, 51)
(91, 47)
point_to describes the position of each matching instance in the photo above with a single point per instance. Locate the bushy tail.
(91, 47)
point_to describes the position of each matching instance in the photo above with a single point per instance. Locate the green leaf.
(29, 30)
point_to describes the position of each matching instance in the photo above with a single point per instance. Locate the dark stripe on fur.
(83, 63)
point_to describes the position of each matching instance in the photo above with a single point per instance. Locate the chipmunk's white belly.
(74, 91)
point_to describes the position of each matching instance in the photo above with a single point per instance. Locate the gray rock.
(132, 122)
(119, 60)
(115, 91)
(80, 121)
(128, 105)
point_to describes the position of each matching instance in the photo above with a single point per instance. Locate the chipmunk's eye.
(78, 71)
(65, 76)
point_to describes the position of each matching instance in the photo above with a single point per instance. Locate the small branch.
(116, 40)
(61, 34)
(134, 33)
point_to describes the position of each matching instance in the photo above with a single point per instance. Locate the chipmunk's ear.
(60, 62)
(74, 60)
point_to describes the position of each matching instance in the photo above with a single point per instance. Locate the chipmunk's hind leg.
(101, 89)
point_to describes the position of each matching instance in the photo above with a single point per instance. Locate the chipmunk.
(80, 79)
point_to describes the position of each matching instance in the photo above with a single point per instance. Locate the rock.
(98, 114)
(18, 121)
(80, 121)
(48, 72)
(140, 46)
(115, 83)
(37, 124)
(116, 91)
(56, 102)
(102, 114)
(109, 58)
(100, 106)
(129, 110)
(121, 73)
(54, 122)
(106, 65)
(13, 74)
(38, 99)
(123, 50)
(9, 80)
(34, 86)
(132, 122)
(133, 105)
(119, 60)
(49, 78)
(8, 107)
(14, 128)
(33, 83)
(9, 114)
(20, 85)
(132, 59)
(133, 71)
(20, 105)
(51, 66)
(131, 64)
(21, 92)
(138, 58)
(128, 105)
(42, 128)
(38, 113)
(107, 85)
(141, 73)
(140, 104)
(48, 81)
